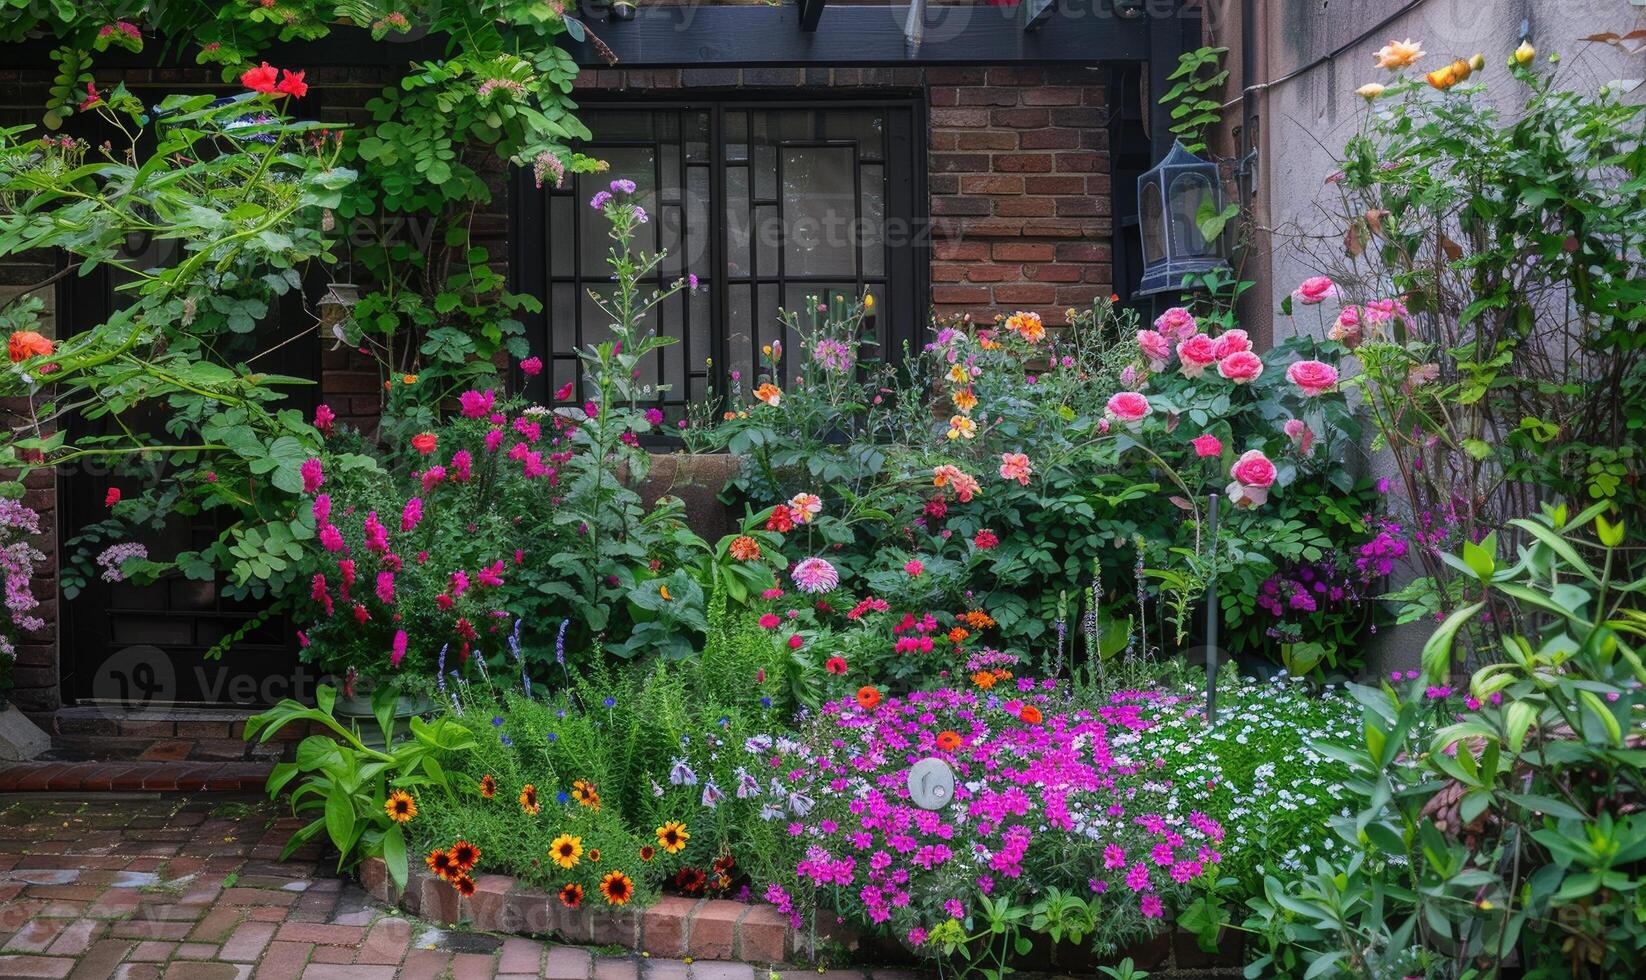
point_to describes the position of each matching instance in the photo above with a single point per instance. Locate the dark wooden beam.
(1033, 14)
(1085, 32)
(811, 11)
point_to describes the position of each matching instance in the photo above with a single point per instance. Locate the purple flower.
(622, 185)
(599, 200)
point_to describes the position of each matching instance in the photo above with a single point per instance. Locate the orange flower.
(977, 619)
(964, 400)
(1399, 54)
(1031, 715)
(868, 697)
(465, 855)
(647, 852)
(745, 548)
(948, 741)
(1027, 326)
(464, 885)
(617, 888)
(440, 862)
(983, 679)
(571, 896)
(528, 800)
(400, 806)
(958, 634)
(769, 393)
(585, 794)
(488, 786)
(25, 344)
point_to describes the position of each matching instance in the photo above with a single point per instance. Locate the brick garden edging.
(704, 929)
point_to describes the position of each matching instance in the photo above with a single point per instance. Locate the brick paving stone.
(154, 950)
(665, 970)
(521, 956)
(568, 963)
(332, 954)
(101, 961)
(316, 932)
(283, 961)
(386, 942)
(20, 966)
(247, 942)
(197, 951)
(424, 964)
(217, 925)
(472, 966)
(721, 971)
(36, 935)
(178, 970)
(136, 971)
(611, 968)
(76, 937)
(337, 971)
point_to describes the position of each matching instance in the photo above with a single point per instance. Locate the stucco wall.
(1301, 123)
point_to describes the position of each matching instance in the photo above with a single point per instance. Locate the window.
(766, 203)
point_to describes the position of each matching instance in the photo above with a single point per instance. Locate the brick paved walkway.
(189, 887)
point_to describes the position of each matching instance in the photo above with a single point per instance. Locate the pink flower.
(377, 536)
(770, 621)
(531, 367)
(1197, 352)
(332, 539)
(1231, 342)
(1346, 328)
(1176, 323)
(313, 476)
(813, 575)
(1302, 436)
(1206, 445)
(1315, 290)
(914, 567)
(324, 419)
(1015, 466)
(1253, 475)
(385, 588)
(398, 653)
(1128, 406)
(322, 508)
(477, 404)
(412, 514)
(1151, 907)
(1156, 347)
(1240, 367)
(1314, 378)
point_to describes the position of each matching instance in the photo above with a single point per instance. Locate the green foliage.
(1195, 107)
(348, 782)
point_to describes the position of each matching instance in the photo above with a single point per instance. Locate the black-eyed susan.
(464, 885)
(672, 837)
(585, 794)
(616, 888)
(594, 855)
(647, 852)
(571, 895)
(440, 862)
(566, 850)
(465, 855)
(488, 786)
(400, 806)
(528, 800)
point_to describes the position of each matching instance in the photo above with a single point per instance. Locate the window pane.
(637, 163)
(819, 211)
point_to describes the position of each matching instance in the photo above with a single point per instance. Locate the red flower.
(985, 539)
(1030, 714)
(424, 442)
(780, 521)
(261, 78)
(112, 497)
(868, 697)
(835, 665)
(92, 98)
(293, 85)
(795, 641)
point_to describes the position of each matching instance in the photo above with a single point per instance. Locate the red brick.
(284, 961)
(1062, 184)
(1025, 293)
(986, 139)
(1049, 139)
(1051, 272)
(465, 966)
(959, 251)
(1024, 162)
(991, 184)
(959, 294)
(954, 76)
(986, 272)
(1020, 118)
(960, 206)
(424, 964)
(1079, 162)
(665, 930)
(1022, 252)
(1046, 95)
(247, 942)
(1025, 207)
(714, 930)
(566, 963)
(964, 118)
(763, 935)
(440, 902)
(988, 95)
(34, 966)
(321, 933)
(522, 956)
(959, 163)
(606, 968)
(374, 878)
(488, 903)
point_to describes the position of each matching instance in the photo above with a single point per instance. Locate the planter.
(357, 711)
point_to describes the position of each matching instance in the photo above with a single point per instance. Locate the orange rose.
(25, 344)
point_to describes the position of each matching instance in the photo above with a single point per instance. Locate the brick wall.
(1019, 200)
(1019, 190)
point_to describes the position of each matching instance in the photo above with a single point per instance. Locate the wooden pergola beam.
(811, 11)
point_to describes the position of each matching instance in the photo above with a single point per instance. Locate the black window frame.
(906, 303)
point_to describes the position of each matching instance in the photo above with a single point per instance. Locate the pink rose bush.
(1313, 378)
(1253, 475)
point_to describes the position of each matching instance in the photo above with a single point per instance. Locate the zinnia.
(961, 427)
(425, 442)
(744, 548)
(813, 575)
(1314, 378)
(1016, 466)
(805, 506)
(868, 697)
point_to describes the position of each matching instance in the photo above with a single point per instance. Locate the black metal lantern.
(1170, 198)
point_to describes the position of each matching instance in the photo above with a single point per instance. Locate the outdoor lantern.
(1169, 198)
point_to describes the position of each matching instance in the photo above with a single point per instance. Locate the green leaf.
(1437, 652)
(394, 855)
(340, 819)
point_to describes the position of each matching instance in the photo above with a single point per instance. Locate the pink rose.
(1253, 469)
(1302, 436)
(1315, 378)
(1155, 347)
(1128, 406)
(1384, 311)
(1315, 290)
(1253, 476)
(914, 567)
(1240, 367)
(1176, 323)
(1206, 445)
(1197, 353)
(1346, 328)
(1232, 342)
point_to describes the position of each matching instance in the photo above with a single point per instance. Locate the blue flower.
(497, 721)
(506, 740)
(554, 737)
(562, 797)
(610, 701)
(765, 702)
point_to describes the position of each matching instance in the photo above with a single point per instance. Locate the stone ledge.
(701, 929)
